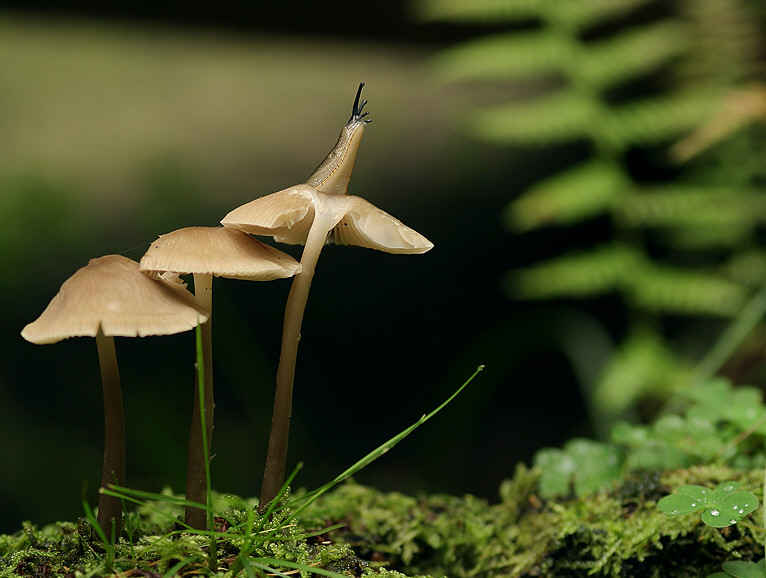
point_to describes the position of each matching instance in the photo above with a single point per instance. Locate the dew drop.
(742, 511)
(715, 513)
(694, 504)
(732, 521)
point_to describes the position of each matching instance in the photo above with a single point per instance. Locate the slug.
(333, 174)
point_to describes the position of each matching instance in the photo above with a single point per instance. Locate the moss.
(151, 547)
(619, 532)
(614, 533)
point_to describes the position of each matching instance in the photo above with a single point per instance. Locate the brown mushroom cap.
(220, 252)
(111, 293)
(287, 215)
(365, 225)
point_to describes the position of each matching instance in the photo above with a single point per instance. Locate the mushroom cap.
(287, 215)
(111, 294)
(218, 251)
(365, 225)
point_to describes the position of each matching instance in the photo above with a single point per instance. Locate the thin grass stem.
(107, 541)
(377, 452)
(201, 390)
(173, 570)
(268, 563)
(201, 432)
(747, 319)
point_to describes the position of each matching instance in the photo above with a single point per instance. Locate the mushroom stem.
(276, 454)
(113, 472)
(196, 481)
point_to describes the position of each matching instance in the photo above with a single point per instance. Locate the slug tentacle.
(356, 111)
(333, 175)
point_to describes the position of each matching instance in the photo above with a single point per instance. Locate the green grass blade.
(268, 563)
(742, 325)
(141, 499)
(91, 517)
(137, 495)
(379, 451)
(176, 567)
(213, 555)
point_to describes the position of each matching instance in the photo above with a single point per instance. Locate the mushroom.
(110, 297)
(313, 214)
(206, 252)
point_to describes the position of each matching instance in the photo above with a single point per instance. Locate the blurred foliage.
(664, 103)
(34, 211)
(721, 425)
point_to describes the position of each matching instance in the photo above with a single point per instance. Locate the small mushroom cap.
(287, 216)
(111, 294)
(218, 251)
(365, 225)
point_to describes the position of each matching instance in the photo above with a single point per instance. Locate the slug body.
(333, 175)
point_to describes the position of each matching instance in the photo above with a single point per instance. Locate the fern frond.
(698, 205)
(681, 292)
(582, 14)
(581, 192)
(739, 108)
(747, 267)
(513, 55)
(728, 40)
(695, 216)
(714, 235)
(655, 120)
(579, 14)
(519, 56)
(558, 117)
(582, 274)
(568, 115)
(629, 54)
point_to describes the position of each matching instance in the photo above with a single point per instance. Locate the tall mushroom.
(312, 214)
(110, 297)
(206, 252)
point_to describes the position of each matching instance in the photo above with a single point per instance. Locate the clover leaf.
(723, 506)
(740, 569)
(582, 465)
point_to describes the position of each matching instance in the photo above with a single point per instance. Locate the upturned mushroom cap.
(365, 225)
(111, 293)
(287, 216)
(220, 252)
